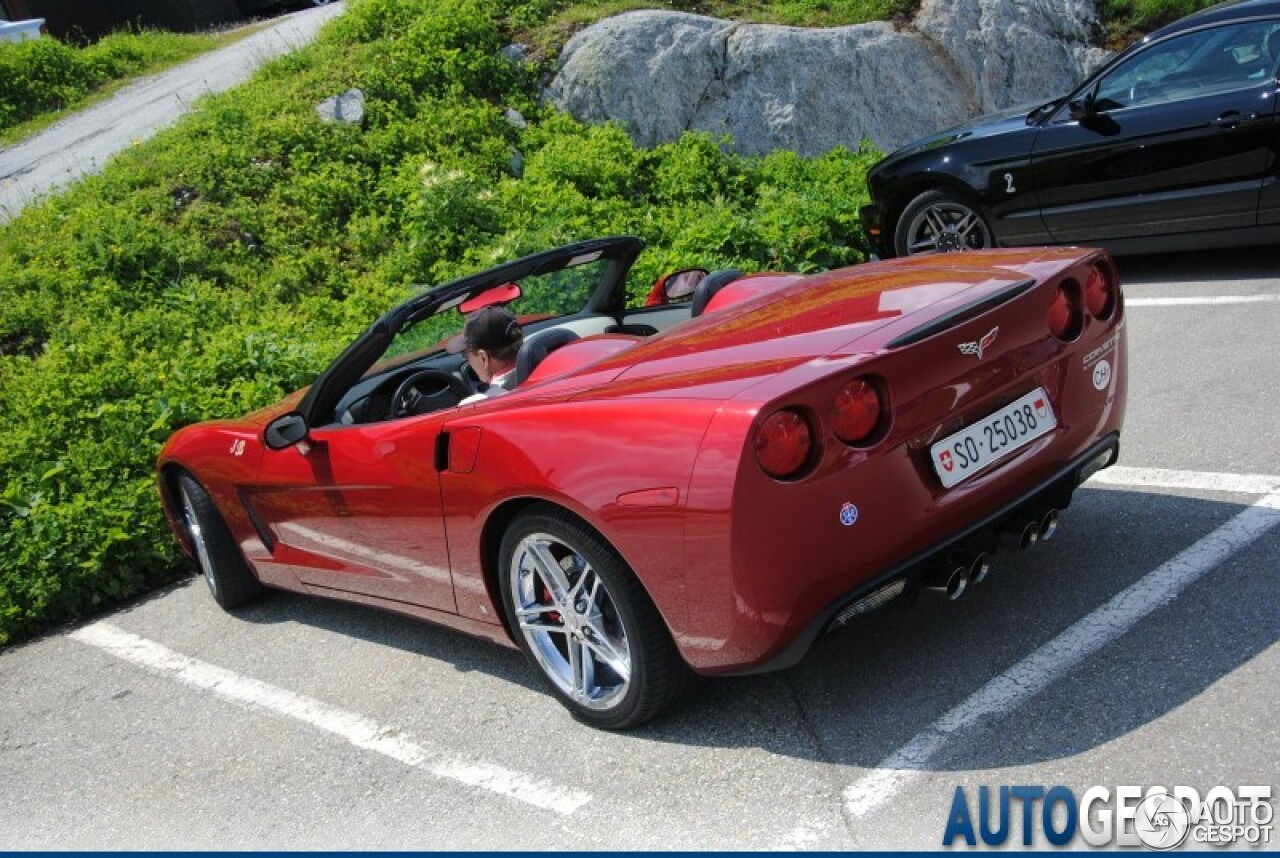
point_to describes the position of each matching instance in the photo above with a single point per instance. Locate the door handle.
(1233, 119)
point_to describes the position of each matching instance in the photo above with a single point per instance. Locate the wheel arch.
(495, 527)
(167, 484)
(928, 182)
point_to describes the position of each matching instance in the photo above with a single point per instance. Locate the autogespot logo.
(1155, 817)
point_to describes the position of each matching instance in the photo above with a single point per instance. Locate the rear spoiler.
(962, 314)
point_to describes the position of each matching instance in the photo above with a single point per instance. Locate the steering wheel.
(427, 390)
(469, 378)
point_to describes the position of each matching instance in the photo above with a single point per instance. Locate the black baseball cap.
(491, 329)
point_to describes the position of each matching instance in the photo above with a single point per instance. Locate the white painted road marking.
(1202, 481)
(1047, 664)
(1203, 301)
(364, 733)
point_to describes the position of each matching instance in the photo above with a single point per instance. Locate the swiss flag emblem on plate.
(1042, 410)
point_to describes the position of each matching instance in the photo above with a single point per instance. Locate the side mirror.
(1082, 108)
(285, 431)
(675, 287)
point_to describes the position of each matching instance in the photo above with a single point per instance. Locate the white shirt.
(496, 388)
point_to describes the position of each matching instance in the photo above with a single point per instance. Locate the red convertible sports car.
(705, 484)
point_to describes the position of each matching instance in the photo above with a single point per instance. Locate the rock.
(348, 108)
(515, 54)
(812, 90)
(515, 118)
(647, 70)
(516, 164)
(769, 87)
(1012, 52)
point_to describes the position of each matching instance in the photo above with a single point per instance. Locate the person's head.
(491, 340)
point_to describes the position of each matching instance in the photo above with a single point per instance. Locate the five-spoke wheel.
(585, 623)
(940, 222)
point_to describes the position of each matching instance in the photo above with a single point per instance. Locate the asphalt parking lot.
(1138, 647)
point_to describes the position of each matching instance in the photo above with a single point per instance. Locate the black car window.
(1203, 62)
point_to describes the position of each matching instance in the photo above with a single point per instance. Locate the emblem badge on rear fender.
(979, 347)
(848, 514)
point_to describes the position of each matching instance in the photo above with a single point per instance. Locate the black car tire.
(956, 222)
(657, 673)
(230, 579)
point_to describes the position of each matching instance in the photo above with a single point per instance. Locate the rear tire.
(941, 221)
(230, 579)
(585, 623)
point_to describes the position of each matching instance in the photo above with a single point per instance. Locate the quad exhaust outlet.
(950, 576)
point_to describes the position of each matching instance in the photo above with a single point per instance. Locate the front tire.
(939, 221)
(230, 579)
(585, 623)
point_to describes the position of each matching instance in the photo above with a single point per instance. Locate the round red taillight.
(783, 444)
(855, 414)
(1099, 294)
(1064, 318)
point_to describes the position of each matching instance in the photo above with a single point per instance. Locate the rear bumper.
(1055, 491)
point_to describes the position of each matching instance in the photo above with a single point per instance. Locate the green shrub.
(222, 264)
(1125, 20)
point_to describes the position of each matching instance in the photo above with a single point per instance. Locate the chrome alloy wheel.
(570, 621)
(946, 226)
(197, 539)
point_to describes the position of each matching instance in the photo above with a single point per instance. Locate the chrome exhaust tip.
(949, 582)
(976, 563)
(1020, 534)
(1048, 525)
(980, 568)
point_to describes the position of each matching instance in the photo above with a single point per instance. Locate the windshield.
(542, 296)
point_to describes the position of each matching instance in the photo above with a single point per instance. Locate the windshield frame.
(608, 296)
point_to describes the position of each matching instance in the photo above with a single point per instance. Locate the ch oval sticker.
(1102, 375)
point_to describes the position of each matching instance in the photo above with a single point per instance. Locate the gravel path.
(84, 142)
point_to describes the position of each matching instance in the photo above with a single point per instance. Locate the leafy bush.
(222, 264)
(1125, 20)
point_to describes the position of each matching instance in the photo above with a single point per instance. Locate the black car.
(1172, 145)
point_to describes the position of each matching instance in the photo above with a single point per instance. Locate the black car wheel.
(940, 222)
(585, 623)
(230, 579)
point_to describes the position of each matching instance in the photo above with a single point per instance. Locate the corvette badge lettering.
(980, 346)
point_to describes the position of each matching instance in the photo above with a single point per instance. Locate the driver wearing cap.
(490, 341)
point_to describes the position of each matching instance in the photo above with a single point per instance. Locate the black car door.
(1177, 140)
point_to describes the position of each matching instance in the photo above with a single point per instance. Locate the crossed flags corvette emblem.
(978, 347)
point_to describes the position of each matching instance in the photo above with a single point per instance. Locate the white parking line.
(364, 733)
(1202, 481)
(1201, 301)
(1051, 661)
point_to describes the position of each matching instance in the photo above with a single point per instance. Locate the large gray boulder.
(771, 87)
(810, 90)
(648, 70)
(1013, 51)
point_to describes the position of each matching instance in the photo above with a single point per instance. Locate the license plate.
(959, 456)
